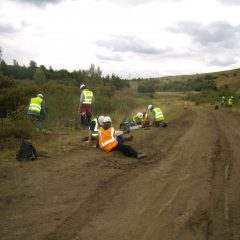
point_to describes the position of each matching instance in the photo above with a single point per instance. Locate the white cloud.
(38, 2)
(230, 2)
(139, 38)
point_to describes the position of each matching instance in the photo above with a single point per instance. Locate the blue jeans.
(37, 120)
(120, 139)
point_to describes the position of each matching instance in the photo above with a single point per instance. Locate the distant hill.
(230, 79)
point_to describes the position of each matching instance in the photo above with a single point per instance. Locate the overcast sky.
(131, 38)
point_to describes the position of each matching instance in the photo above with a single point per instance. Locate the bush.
(12, 98)
(16, 125)
(6, 82)
(210, 96)
(146, 87)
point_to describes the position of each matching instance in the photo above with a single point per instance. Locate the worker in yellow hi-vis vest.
(37, 110)
(86, 105)
(157, 116)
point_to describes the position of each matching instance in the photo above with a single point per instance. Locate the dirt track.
(188, 188)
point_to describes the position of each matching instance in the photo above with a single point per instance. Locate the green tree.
(0, 54)
(39, 76)
(15, 63)
(33, 64)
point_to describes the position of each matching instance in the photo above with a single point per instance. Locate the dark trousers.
(86, 118)
(126, 150)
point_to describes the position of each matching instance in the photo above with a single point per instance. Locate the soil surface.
(187, 187)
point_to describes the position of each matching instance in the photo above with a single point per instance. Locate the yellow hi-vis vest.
(158, 115)
(136, 119)
(35, 104)
(96, 129)
(88, 96)
(230, 102)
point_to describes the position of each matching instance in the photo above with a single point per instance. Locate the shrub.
(6, 82)
(146, 87)
(16, 125)
(12, 98)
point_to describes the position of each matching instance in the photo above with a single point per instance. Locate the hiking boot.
(164, 125)
(128, 138)
(141, 155)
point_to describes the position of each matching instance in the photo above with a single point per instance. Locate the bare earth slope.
(187, 188)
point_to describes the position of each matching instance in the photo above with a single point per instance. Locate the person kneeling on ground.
(108, 142)
(138, 119)
(157, 116)
(94, 126)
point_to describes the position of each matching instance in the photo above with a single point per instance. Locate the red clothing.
(87, 108)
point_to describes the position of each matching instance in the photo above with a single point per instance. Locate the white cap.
(107, 119)
(40, 95)
(139, 115)
(82, 86)
(149, 107)
(100, 119)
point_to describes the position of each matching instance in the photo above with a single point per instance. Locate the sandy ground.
(187, 187)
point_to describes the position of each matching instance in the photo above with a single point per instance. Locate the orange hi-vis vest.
(106, 139)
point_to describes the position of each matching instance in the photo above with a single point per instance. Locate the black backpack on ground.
(26, 152)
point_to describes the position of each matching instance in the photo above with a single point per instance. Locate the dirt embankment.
(187, 188)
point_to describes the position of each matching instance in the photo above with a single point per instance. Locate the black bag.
(26, 152)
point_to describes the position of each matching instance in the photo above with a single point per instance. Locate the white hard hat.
(40, 95)
(107, 119)
(139, 115)
(149, 107)
(82, 86)
(223, 96)
(231, 96)
(100, 119)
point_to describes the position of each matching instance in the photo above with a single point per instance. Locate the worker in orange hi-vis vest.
(108, 142)
(185, 105)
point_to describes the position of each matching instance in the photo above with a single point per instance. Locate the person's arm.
(43, 109)
(81, 97)
(90, 136)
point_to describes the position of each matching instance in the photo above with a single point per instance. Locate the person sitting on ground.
(94, 126)
(125, 125)
(37, 110)
(108, 142)
(157, 116)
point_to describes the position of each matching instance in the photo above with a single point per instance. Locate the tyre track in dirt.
(106, 191)
(229, 124)
(40, 196)
(186, 189)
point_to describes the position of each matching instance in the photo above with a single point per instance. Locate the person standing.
(37, 110)
(230, 102)
(223, 100)
(85, 106)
